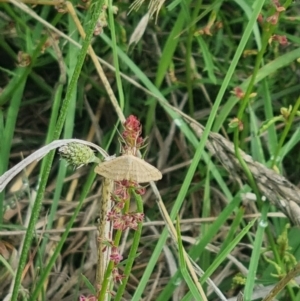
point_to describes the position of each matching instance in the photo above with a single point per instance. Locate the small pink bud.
(115, 256)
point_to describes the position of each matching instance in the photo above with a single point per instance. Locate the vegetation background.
(230, 65)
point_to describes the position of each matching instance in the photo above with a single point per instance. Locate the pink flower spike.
(89, 298)
(113, 215)
(132, 124)
(260, 19)
(139, 217)
(115, 256)
(119, 223)
(281, 39)
(273, 19)
(117, 276)
(238, 92)
(141, 190)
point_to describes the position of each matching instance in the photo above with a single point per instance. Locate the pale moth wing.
(128, 167)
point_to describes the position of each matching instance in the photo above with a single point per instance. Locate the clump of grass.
(231, 66)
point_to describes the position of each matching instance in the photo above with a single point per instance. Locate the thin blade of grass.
(188, 279)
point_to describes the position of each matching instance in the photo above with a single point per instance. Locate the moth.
(128, 167)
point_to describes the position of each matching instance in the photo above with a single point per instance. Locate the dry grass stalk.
(275, 187)
(103, 231)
